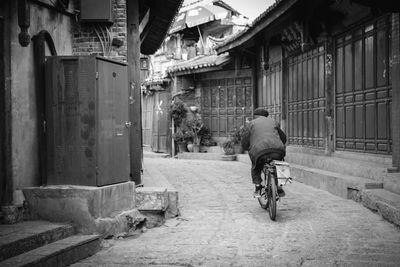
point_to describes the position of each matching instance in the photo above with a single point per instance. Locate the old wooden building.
(328, 71)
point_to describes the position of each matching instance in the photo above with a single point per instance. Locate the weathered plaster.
(24, 116)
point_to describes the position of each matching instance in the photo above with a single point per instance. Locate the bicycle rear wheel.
(263, 200)
(272, 191)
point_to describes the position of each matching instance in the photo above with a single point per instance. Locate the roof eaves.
(261, 22)
(200, 63)
(159, 27)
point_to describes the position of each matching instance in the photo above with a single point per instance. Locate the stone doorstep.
(152, 199)
(25, 236)
(384, 202)
(60, 253)
(347, 166)
(335, 183)
(83, 205)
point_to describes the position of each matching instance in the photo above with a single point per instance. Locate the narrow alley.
(221, 224)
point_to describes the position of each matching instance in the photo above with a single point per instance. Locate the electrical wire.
(98, 36)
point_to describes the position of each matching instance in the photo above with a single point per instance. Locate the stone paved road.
(222, 225)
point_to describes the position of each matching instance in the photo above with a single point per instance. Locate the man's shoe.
(281, 193)
(257, 191)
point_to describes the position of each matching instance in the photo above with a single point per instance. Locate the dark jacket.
(263, 135)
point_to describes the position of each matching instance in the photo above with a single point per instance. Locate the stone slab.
(384, 202)
(21, 237)
(340, 162)
(337, 184)
(99, 201)
(151, 198)
(80, 205)
(152, 177)
(60, 253)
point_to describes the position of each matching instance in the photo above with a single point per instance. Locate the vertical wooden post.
(329, 91)
(283, 92)
(133, 44)
(395, 92)
(7, 183)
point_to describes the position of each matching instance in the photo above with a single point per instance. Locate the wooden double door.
(363, 94)
(226, 102)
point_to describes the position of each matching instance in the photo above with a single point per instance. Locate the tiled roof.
(156, 79)
(200, 62)
(253, 29)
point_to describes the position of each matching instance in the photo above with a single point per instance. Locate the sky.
(250, 8)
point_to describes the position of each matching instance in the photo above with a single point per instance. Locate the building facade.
(327, 71)
(32, 30)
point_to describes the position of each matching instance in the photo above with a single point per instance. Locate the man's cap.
(261, 112)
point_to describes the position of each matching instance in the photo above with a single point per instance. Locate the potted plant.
(178, 112)
(189, 140)
(237, 139)
(179, 138)
(228, 147)
(194, 126)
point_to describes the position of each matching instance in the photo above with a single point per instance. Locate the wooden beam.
(143, 27)
(133, 42)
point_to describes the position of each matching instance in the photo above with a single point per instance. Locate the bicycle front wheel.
(272, 191)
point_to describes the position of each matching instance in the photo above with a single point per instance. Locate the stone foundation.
(102, 210)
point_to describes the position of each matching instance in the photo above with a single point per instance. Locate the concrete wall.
(24, 116)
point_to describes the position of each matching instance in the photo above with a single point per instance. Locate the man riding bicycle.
(264, 140)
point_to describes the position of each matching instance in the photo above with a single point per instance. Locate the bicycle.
(274, 172)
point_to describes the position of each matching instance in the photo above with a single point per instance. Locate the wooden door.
(363, 88)
(269, 90)
(161, 123)
(306, 98)
(226, 103)
(147, 119)
(113, 123)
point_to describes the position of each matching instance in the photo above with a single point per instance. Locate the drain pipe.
(39, 44)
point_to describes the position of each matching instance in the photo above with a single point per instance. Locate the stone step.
(392, 183)
(360, 165)
(345, 186)
(206, 156)
(151, 198)
(150, 154)
(384, 202)
(60, 253)
(19, 238)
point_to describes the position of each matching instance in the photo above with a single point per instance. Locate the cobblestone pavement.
(221, 224)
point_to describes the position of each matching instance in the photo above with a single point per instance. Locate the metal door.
(147, 119)
(306, 98)
(226, 103)
(161, 124)
(113, 123)
(363, 89)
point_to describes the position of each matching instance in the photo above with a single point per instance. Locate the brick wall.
(96, 38)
